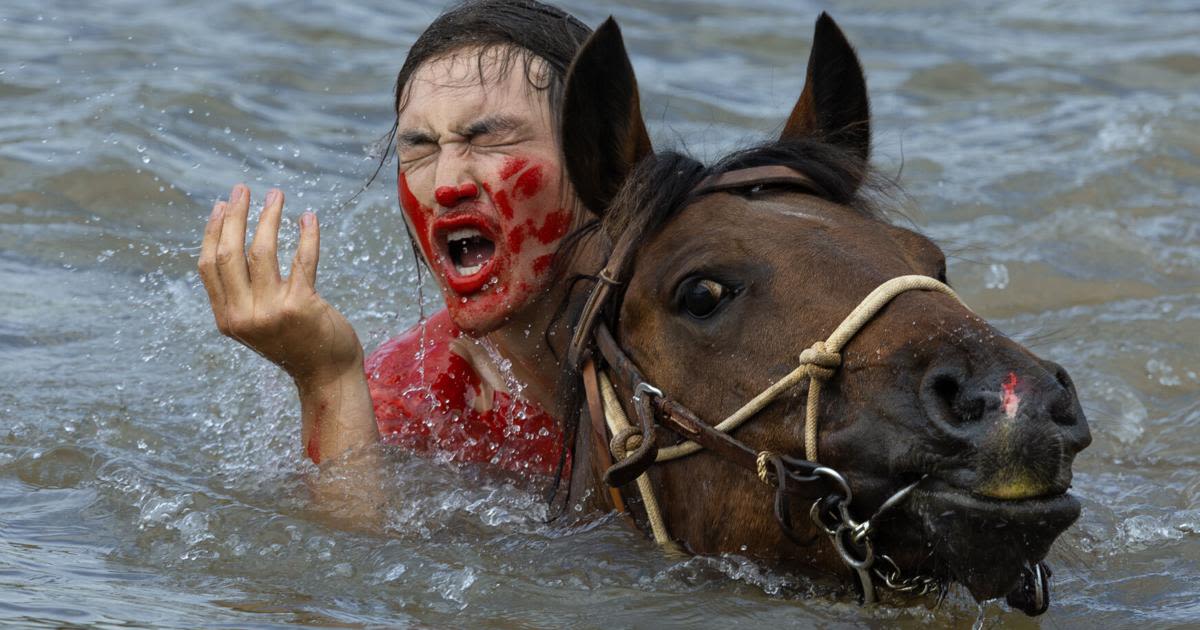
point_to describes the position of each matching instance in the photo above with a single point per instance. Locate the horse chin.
(985, 543)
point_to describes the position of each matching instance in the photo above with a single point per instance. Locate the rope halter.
(818, 363)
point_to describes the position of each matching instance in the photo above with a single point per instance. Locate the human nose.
(454, 182)
(450, 195)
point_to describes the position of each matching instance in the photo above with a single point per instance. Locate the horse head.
(955, 441)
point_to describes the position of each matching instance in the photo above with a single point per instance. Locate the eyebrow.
(413, 137)
(496, 123)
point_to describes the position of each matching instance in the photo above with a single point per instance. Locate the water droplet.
(997, 277)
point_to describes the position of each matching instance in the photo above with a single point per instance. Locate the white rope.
(618, 423)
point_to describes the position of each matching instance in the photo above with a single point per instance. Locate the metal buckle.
(644, 387)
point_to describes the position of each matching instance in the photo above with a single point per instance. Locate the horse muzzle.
(988, 544)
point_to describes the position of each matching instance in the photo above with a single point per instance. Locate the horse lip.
(985, 543)
(1055, 506)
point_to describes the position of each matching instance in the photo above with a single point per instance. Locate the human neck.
(523, 342)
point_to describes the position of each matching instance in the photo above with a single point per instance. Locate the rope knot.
(821, 362)
(760, 462)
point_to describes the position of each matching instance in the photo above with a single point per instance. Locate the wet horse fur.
(728, 288)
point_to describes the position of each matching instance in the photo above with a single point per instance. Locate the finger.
(264, 258)
(231, 250)
(304, 265)
(208, 263)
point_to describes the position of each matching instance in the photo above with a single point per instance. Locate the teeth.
(467, 271)
(463, 234)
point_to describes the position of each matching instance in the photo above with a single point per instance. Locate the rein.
(633, 446)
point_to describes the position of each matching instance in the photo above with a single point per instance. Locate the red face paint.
(449, 196)
(1010, 400)
(512, 166)
(554, 228)
(542, 264)
(529, 183)
(491, 253)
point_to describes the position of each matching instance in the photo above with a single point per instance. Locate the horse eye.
(701, 297)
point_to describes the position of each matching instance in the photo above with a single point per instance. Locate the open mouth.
(469, 256)
(469, 250)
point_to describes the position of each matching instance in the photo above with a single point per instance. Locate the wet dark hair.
(520, 30)
(506, 32)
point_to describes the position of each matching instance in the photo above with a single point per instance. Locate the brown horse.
(955, 442)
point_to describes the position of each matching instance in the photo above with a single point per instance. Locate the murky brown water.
(149, 469)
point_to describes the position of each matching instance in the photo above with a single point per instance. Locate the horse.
(875, 428)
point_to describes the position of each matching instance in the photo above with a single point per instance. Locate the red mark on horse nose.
(1011, 400)
(448, 196)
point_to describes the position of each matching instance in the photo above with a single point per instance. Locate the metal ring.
(860, 531)
(645, 387)
(868, 559)
(837, 478)
(1041, 588)
(814, 513)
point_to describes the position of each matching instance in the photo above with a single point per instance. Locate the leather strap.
(772, 175)
(600, 453)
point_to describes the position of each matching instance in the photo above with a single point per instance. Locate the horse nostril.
(957, 408)
(1062, 407)
(946, 387)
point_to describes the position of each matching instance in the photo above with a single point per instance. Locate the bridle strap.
(615, 270)
(601, 453)
(772, 175)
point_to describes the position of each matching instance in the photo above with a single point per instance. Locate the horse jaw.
(985, 543)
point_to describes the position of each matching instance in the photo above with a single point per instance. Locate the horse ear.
(833, 106)
(603, 134)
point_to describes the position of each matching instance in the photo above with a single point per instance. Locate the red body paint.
(1010, 400)
(313, 448)
(426, 399)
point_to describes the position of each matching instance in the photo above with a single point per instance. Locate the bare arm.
(288, 322)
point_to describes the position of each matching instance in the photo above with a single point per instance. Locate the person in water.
(485, 198)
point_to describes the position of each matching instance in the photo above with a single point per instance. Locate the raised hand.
(284, 320)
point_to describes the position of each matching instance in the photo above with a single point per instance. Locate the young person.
(486, 200)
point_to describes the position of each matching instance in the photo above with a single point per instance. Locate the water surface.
(150, 470)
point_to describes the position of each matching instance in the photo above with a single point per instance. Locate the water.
(150, 470)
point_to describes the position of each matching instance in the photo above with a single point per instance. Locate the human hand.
(285, 320)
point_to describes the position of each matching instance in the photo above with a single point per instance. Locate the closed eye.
(414, 145)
